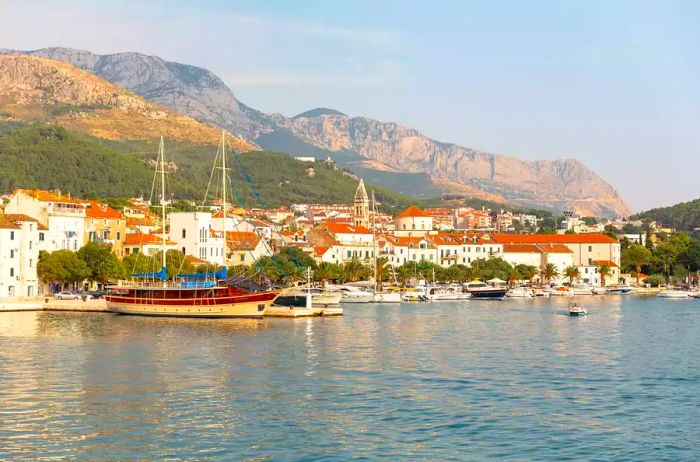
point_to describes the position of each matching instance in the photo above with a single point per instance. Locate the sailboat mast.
(374, 242)
(223, 192)
(161, 155)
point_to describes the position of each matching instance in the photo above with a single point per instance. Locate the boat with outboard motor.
(575, 309)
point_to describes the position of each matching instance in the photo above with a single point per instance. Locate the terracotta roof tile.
(413, 211)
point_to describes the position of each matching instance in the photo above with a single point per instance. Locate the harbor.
(440, 381)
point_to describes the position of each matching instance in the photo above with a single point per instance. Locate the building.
(413, 222)
(245, 248)
(147, 244)
(19, 253)
(586, 250)
(360, 216)
(104, 224)
(63, 217)
(193, 233)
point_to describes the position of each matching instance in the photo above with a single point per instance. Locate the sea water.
(470, 380)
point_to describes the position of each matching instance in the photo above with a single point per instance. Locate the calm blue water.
(512, 380)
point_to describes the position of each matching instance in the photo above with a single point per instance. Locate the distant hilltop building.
(305, 159)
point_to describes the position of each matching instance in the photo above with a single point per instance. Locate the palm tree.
(382, 271)
(572, 273)
(327, 271)
(514, 276)
(549, 272)
(604, 271)
(638, 256)
(354, 270)
(404, 273)
(527, 271)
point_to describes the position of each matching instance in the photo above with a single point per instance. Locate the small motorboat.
(673, 293)
(577, 310)
(520, 292)
(619, 290)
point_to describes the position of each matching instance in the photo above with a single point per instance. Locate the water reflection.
(452, 381)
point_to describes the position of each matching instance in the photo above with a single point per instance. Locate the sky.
(614, 84)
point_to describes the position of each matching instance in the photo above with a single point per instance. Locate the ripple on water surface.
(512, 380)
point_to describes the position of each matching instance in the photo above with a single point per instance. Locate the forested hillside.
(50, 157)
(684, 216)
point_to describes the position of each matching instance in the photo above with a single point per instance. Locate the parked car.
(66, 295)
(97, 293)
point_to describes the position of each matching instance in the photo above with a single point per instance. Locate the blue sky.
(615, 84)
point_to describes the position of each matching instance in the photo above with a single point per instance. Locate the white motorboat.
(520, 292)
(447, 293)
(387, 297)
(353, 294)
(582, 290)
(575, 309)
(674, 293)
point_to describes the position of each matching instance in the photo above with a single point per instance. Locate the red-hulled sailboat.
(207, 295)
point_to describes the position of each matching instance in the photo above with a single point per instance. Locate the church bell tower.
(360, 216)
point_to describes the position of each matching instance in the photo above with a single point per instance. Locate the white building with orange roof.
(104, 224)
(586, 248)
(538, 255)
(195, 235)
(413, 222)
(63, 216)
(19, 254)
(345, 240)
(147, 244)
(245, 248)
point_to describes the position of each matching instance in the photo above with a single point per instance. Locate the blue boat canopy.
(162, 275)
(221, 274)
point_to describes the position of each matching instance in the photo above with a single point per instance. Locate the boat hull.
(495, 294)
(387, 297)
(218, 303)
(251, 309)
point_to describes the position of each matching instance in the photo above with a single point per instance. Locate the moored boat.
(619, 290)
(674, 293)
(520, 292)
(478, 289)
(208, 295)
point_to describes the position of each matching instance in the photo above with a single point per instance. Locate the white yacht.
(520, 292)
(674, 293)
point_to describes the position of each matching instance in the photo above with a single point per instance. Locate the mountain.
(389, 153)
(684, 216)
(35, 88)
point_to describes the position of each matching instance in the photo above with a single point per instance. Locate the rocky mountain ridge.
(36, 88)
(371, 145)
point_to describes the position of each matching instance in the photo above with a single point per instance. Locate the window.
(119, 235)
(41, 237)
(183, 251)
(31, 262)
(184, 233)
(12, 272)
(242, 257)
(30, 245)
(349, 254)
(12, 235)
(12, 253)
(590, 248)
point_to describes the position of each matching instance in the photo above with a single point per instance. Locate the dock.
(50, 304)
